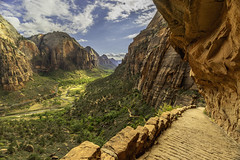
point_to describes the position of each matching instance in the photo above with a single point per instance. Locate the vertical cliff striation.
(60, 51)
(207, 34)
(159, 68)
(14, 66)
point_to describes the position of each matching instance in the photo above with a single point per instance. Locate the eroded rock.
(207, 34)
(60, 51)
(15, 69)
(162, 72)
(85, 151)
(123, 144)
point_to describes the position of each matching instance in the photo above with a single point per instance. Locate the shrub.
(34, 156)
(11, 149)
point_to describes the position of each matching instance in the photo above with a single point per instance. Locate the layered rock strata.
(59, 51)
(207, 34)
(161, 70)
(15, 69)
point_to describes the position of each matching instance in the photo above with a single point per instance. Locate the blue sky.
(106, 25)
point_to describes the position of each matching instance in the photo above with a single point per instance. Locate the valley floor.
(88, 105)
(194, 136)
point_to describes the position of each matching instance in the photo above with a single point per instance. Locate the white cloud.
(44, 16)
(31, 17)
(82, 40)
(131, 36)
(116, 56)
(122, 9)
(145, 18)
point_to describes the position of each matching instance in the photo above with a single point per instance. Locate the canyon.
(21, 57)
(160, 70)
(189, 47)
(206, 33)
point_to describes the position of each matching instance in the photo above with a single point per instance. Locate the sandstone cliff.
(59, 51)
(14, 66)
(207, 34)
(161, 70)
(103, 60)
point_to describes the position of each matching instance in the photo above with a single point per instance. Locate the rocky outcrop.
(14, 66)
(87, 150)
(103, 61)
(207, 34)
(30, 50)
(161, 71)
(59, 51)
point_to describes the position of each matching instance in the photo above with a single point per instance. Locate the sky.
(108, 26)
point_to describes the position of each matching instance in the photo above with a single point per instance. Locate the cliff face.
(59, 51)
(30, 50)
(207, 34)
(14, 66)
(103, 60)
(161, 70)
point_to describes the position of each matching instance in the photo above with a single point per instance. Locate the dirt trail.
(193, 136)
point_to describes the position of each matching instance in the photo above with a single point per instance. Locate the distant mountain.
(103, 60)
(19, 56)
(115, 62)
(60, 51)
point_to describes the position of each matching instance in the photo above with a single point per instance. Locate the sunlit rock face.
(60, 51)
(207, 34)
(160, 70)
(15, 69)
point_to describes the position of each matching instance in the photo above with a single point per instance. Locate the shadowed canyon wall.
(161, 71)
(207, 34)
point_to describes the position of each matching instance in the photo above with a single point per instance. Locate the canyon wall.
(15, 69)
(19, 56)
(102, 61)
(207, 34)
(160, 70)
(60, 51)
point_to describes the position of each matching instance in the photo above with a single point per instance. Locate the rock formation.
(207, 34)
(14, 66)
(59, 51)
(31, 51)
(161, 70)
(103, 60)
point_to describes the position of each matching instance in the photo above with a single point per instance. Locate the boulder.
(142, 139)
(85, 151)
(151, 135)
(123, 144)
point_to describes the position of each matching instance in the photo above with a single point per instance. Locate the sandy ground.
(194, 136)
